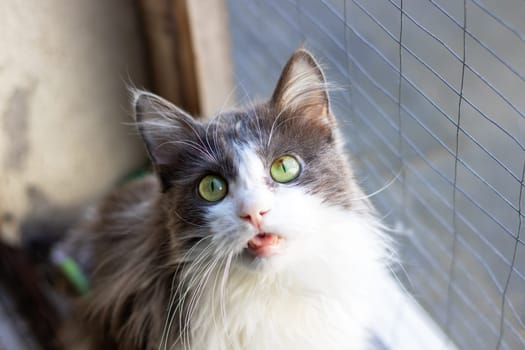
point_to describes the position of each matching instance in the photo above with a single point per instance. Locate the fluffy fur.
(172, 271)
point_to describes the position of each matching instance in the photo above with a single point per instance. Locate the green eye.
(212, 188)
(285, 169)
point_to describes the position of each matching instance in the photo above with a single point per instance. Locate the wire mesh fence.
(433, 98)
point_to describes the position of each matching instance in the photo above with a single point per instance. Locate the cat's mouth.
(264, 244)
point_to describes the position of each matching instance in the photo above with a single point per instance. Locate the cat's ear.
(302, 88)
(162, 126)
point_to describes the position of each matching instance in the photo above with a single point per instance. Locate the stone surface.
(64, 67)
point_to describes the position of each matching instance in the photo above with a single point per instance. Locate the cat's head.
(261, 186)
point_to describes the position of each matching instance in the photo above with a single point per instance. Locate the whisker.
(171, 299)
(181, 284)
(387, 185)
(196, 295)
(173, 293)
(222, 290)
(213, 293)
(272, 128)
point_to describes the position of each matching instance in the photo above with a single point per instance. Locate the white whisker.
(387, 185)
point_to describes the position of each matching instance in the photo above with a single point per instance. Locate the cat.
(252, 233)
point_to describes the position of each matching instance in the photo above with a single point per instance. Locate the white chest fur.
(280, 321)
(323, 300)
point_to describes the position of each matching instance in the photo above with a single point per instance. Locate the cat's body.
(279, 250)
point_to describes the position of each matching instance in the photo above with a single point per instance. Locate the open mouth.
(264, 244)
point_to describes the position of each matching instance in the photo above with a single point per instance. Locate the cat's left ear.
(163, 126)
(302, 88)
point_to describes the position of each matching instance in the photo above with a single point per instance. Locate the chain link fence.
(432, 105)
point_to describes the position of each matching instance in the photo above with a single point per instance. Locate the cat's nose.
(253, 214)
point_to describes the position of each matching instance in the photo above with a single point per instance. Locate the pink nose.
(253, 215)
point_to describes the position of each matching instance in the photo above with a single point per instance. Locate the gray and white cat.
(252, 235)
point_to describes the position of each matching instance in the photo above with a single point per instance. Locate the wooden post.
(214, 66)
(188, 44)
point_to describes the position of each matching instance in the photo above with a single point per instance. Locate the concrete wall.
(64, 66)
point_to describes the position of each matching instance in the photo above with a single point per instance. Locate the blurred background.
(432, 105)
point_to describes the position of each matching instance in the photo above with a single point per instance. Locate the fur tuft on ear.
(160, 123)
(302, 88)
(163, 126)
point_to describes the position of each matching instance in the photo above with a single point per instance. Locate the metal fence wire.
(434, 93)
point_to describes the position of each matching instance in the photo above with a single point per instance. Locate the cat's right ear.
(162, 126)
(302, 89)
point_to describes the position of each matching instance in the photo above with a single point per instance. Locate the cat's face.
(256, 186)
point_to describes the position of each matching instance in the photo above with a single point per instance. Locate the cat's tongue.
(264, 244)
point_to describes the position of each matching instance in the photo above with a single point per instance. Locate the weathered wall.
(63, 70)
